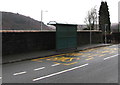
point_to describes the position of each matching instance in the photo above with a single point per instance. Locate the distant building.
(79, 27)
(83, 27)
(115, 27)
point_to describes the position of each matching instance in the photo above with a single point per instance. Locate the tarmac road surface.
(97, 65)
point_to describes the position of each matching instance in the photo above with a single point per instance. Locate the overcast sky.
(61, 11)
(119, 11)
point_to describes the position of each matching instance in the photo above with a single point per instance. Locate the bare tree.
(91, 19)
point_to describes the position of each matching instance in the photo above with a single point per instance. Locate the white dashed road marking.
(15, 74)
(39, 68)
(110, 57)
(0, 77)
(36, 79)
(55, 64)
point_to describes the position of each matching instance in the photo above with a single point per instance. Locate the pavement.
(31, 55)
(95, 65)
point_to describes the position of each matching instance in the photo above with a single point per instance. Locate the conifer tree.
(104, 18)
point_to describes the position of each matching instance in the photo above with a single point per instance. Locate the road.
(0, 73)
(97, 65)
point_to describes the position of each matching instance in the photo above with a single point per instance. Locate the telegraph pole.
(105, 33)
(42, 18)
(90, 35)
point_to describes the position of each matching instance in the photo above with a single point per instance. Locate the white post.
(90, 35)
(105, 34)
(119, 27)
(41, 18)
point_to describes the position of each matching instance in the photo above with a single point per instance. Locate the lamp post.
(42, 17)
(105, 34)
(119, 27)
(90, 35)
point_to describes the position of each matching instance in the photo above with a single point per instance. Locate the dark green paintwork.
(66, 36)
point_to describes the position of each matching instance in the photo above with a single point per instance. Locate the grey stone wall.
(84, 38)
(21, 42)
(18, 42)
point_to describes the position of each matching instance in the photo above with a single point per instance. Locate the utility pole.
(42, 18)
(90, 35)
(105, 34)
(96, 21)
(118, 26)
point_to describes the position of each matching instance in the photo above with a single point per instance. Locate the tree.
(91, 18)
(104, 18)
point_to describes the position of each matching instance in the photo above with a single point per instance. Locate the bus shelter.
(66, 36)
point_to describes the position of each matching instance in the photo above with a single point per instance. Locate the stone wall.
(21, 42)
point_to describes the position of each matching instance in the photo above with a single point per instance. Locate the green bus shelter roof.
(62, 24)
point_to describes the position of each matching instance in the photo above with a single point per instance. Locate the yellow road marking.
(105, 52)
(62, 59)
(112, 52)
(66, 57)
(42, 58)
(65, 63)
(48, 59)
(89, 58)
(57, 63)
(102, 55)
(40, 61)
(69, 63)
(95, 55)
(77, 58)
(106, 48)
(97, 51)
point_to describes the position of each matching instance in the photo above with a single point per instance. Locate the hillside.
(12, 21)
